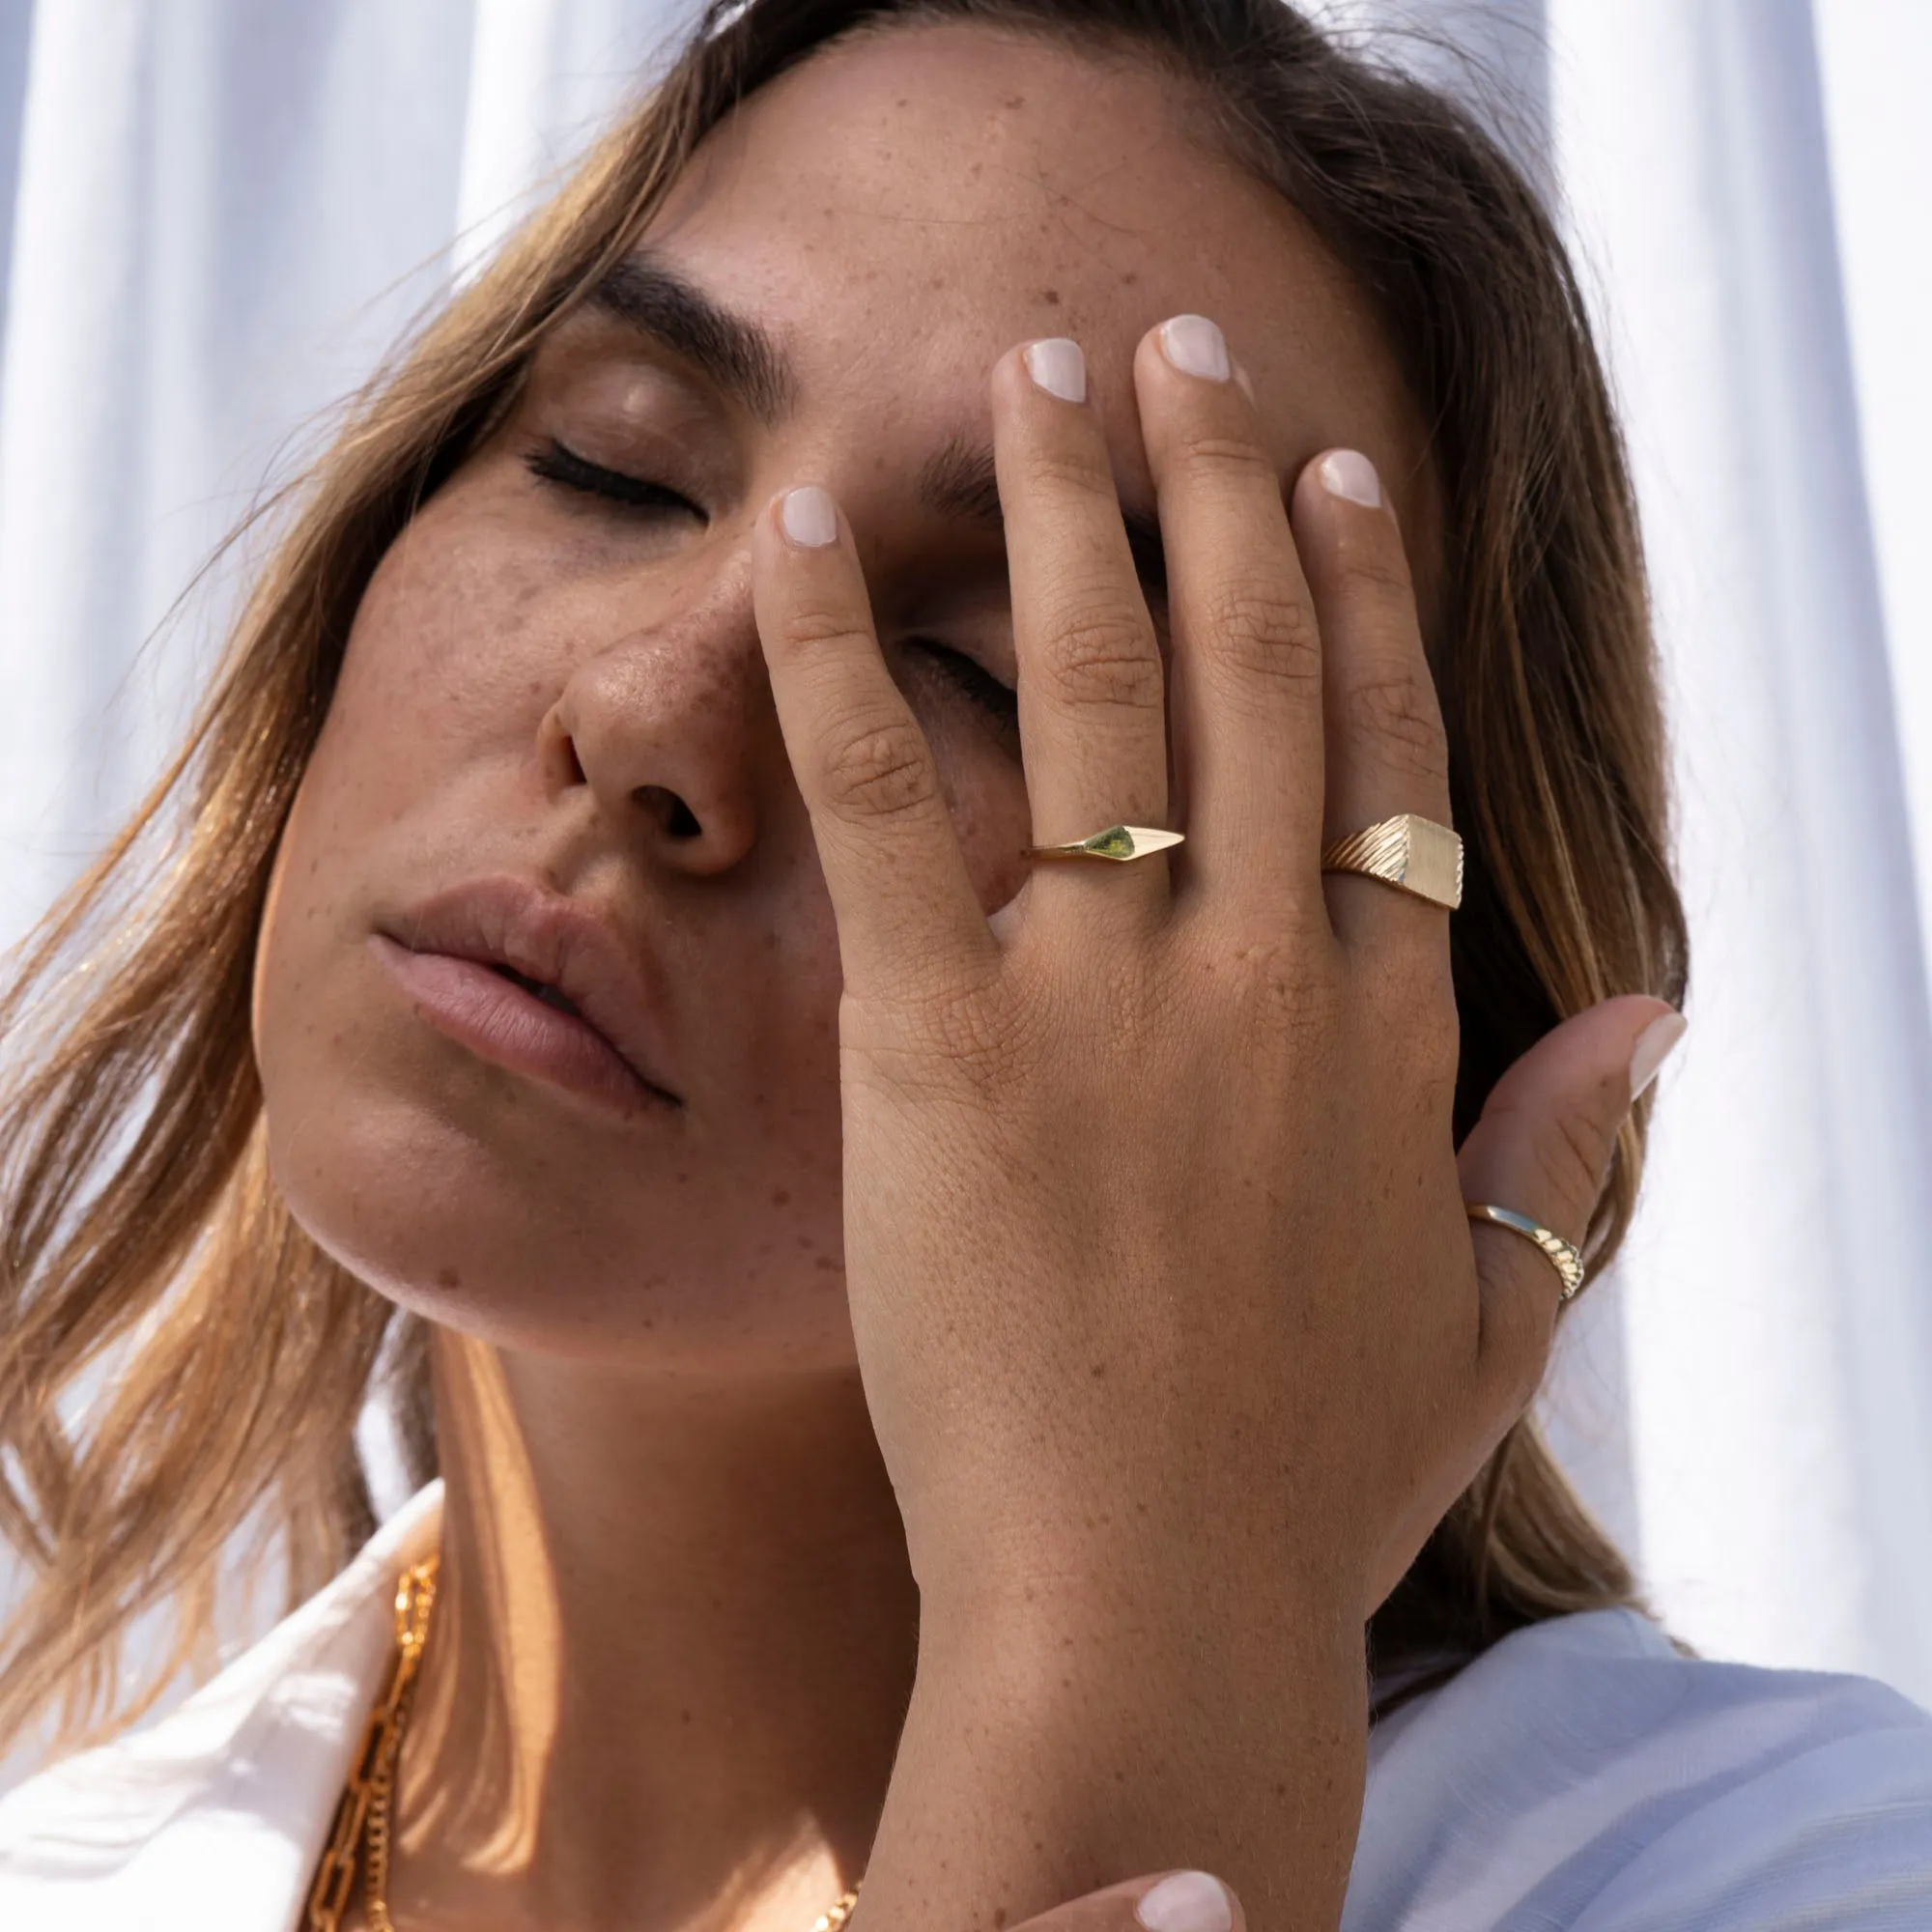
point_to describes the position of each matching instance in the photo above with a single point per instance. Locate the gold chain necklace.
(361, 1831)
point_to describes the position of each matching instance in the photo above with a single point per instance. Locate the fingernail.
(1652, 1048)
(1058, 367)
(1186, 1901)
(810, 516)
(1196, 347)
(1350, 474)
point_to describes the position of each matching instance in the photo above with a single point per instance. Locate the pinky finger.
(900, 887)
(1543, 1149)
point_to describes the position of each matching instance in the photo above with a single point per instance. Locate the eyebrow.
(734, 353)
(961, 482)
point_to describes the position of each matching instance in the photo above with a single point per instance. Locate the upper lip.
(543, 936)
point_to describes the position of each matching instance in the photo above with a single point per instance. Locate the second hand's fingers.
(899, 886)
(1387, 751)
(1180, 1901)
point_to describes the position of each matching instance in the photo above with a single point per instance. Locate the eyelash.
(972, 680)
(557, 462)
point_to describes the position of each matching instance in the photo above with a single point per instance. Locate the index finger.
(901, 890)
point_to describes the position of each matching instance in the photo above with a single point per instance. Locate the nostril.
(674, 815)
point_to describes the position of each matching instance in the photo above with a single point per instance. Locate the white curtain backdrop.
(216, 215)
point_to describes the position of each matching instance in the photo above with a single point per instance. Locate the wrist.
(1056, 1742)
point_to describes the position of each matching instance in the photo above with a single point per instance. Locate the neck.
(672, 1648)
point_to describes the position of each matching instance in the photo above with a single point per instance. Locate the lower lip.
(498, 1020)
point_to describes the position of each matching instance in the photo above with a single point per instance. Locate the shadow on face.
(552, 767)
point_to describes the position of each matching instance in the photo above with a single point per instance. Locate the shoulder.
(213, 1817)
(1582, 1774)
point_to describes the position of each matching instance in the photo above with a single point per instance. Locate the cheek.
(985, 794)
(447, 657)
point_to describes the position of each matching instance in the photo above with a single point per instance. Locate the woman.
(936, 1349)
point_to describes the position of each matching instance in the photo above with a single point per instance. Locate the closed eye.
(971, 679)
(557, 462)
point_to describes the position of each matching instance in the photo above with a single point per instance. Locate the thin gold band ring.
(1563, 1256)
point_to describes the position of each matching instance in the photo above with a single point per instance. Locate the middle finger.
(1247, 653)
(1091, 695)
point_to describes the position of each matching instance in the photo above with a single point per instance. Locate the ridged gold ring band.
(1414, 854)
(1117, 843)
(1563, 1256)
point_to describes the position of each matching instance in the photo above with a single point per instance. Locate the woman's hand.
(1173, 1331)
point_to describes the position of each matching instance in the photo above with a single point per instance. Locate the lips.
(533, 982)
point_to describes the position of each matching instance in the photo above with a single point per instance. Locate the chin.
(524, 1241)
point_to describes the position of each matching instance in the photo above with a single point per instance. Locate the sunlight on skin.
(472, 1777)
(615, 1726)
(469, 1775)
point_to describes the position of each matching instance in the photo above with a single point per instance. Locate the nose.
(668, 731)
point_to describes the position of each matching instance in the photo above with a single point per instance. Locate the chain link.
(831, 1921)
(361, 1835)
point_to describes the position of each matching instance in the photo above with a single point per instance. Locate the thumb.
(1178, 1901)
(1543, 1149)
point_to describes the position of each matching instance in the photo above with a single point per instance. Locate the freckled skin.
(897, 214)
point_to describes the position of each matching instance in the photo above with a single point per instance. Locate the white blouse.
(1581, 1774)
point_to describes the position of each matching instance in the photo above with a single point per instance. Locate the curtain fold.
(216, 215)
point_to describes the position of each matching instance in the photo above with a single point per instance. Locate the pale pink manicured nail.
(1057, 367)
(1652, 1048)
(1350, 474)
(810, 516)
(1186, 1901)
(1196, 347)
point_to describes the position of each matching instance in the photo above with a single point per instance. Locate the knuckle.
(1285, 980)
(1378, 573)
(1080, 468)
(1395, 707)
(1570, 1153)
(955, 1026)
(878, 769)
(1237, 459)
(1104, 653)
(1263, 630)
(809, 626)
(1411, 1003)
(1432, 1063)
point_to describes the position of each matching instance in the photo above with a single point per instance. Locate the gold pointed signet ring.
(1119, 843)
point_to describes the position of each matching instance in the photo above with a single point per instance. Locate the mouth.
(538, 990)
(535, 984)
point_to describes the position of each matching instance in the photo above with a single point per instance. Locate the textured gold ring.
(1119, 843)
(1563, 1256)
(1414, 854)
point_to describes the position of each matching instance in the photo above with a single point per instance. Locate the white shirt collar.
(213, 1817)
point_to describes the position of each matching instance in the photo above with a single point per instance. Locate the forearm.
(1048, 1752)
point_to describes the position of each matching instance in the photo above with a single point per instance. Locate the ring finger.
(1387, 751)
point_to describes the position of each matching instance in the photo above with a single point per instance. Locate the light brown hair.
(144, 1249)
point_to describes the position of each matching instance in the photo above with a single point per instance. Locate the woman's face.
(553, 747)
